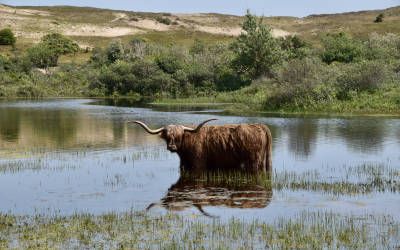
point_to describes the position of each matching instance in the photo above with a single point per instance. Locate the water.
(68, 156)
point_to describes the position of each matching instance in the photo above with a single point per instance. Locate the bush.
(143, 77)
(42, 56)
(170, 61)
(164, 20)
(115, 51)
(364, 76)
(379, 18)
(7, 37)
(302, 83)
(341, 48)
(29, 91)
(59, 43)
(384, 47)
(294, 47)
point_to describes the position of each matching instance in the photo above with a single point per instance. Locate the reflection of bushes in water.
(9, 124)
(302, 137)
(366, 135)
(135, 230)
(58, 125)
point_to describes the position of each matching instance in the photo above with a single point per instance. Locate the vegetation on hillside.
(7, 37)
(257, 70)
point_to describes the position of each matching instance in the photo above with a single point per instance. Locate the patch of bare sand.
(95, 30)
(119, 16)
(149, 24)
(17, 11)
(228, 31)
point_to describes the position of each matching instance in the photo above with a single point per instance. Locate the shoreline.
(234, 111)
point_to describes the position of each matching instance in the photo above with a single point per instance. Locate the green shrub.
(294, 47)
(363, 76)
(43, 56)
(59, 43)
(115, 51)
(379, 18)
(164, 20)
(169, 63)
(383, 47)
(7, 37)
(29, 91)
(302, 83)
(5, 64)
(143, 77)
(341, 48)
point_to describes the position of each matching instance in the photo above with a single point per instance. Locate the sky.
(297, 8)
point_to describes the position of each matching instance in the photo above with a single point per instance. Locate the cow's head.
(173, 134)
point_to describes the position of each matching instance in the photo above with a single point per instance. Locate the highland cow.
(228, 147)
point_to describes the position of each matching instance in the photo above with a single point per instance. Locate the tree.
(379, 18)
(59, 43)
(7, 37)
(256, 51)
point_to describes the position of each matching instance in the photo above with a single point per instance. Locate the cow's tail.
(268, 153)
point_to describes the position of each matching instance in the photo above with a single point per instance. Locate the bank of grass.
(255, 99)
(138, 230)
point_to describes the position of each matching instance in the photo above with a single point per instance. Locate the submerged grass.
(137, 230)
(340, 180)
(346, 180)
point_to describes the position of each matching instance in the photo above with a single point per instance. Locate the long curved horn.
(151, 205)
(151, 131)
(194, 130)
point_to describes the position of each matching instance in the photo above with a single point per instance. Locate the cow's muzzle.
(172, 147)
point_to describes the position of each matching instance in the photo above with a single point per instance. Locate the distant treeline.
(274, 73)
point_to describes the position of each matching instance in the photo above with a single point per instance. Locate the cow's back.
(232, 146)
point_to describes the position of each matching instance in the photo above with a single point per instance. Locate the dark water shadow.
(217, 189)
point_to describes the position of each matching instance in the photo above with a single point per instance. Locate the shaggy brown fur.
(246, 146)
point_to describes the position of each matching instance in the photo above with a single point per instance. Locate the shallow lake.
(71, 156)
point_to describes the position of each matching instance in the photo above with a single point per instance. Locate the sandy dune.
(33, 24)
(96, 30)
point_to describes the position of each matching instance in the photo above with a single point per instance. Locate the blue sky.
(238, 7)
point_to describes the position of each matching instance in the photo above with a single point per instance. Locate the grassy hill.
(96, 27)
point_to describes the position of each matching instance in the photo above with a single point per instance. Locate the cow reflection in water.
(222, 189)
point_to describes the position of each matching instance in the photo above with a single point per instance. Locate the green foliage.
(59, 43)
(43, 56)
(143, 77)
(198, 48)
(379, 18)
(302, 83)
(115, 51)
(256, 51)
(383, 47)
(363, 76)
(341, 48)
(164, 20)
(170, 62)
(7, 37)
(294, 46)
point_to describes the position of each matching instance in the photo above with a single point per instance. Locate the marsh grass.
(339, 180)
(354, 180)
(137, 230)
